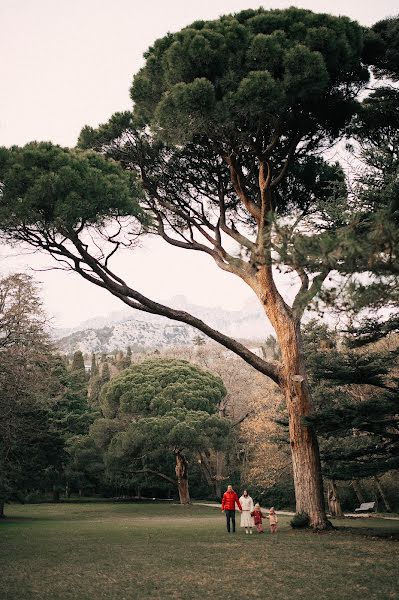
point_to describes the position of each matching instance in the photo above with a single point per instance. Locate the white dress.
(247, 505)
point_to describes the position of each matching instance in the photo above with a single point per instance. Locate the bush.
(34, 497)
(281, 495)
(300, 520)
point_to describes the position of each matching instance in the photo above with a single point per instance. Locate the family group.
(251, 515)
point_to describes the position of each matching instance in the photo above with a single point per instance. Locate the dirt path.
(291, 514)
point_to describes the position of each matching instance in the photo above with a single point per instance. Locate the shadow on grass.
(386, 533)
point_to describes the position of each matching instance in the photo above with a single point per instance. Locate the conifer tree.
(78, 361)
(167, 405)
(93, 367)
(224, 143)
(357, 406)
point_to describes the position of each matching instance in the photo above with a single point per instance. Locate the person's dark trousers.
(230, 514)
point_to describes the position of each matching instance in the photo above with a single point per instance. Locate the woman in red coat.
(229, 501)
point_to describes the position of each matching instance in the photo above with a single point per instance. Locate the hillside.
(142, 331)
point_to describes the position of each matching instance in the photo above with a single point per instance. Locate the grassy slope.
(128, 551)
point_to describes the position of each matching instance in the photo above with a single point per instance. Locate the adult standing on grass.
(229, 501)
(247, 506)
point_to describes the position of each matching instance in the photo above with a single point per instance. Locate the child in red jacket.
(258, 515)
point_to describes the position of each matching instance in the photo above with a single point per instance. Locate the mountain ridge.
(119, 329)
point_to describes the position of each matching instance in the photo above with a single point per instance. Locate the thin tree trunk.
(358, 491)
(214, 476)
(182, 477)
(220, 456)
(2, 510)
(205, 466)
(56, 495)
(334, 503)
(305, 453)
(382, 494)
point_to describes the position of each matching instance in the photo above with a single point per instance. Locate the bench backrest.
(367, 505)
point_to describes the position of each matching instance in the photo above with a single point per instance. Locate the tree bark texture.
(181, 470)
(294, 385)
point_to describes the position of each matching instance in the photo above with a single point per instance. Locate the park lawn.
(128, 551)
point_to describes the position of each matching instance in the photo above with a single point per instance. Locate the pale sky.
(70, 63)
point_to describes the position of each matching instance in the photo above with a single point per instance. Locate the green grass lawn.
(127, 551)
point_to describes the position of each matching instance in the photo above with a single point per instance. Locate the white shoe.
(247, 532)
(250, 532)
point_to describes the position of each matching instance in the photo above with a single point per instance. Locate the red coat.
(258, 516)
(229, 501)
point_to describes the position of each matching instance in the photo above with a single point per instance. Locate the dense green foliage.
(43, 403)
(249, 72)
(62, 189)
(155, 387)
(300, 521)
(382, 48)
(356, 398)
(157, 406)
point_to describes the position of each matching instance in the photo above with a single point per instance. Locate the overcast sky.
(69, 63)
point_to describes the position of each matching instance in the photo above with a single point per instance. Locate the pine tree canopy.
(157, 406)
(60, 189)
(356, 405)
(242, 77)
(157, 386)
(382, 48)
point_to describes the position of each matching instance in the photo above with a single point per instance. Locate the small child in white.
(273, 520)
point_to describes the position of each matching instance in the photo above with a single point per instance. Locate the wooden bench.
(366, 507)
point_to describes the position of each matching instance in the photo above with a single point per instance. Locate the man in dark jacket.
(229, 501)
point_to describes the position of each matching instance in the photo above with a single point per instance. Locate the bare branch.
(291, 151)
(237, 179)
(151, 472)
(306, 294)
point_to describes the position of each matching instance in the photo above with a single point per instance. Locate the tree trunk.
(182, 477)
(219, 470)
(334, 503)
(56, 495)
(2, 509)
(358, 491)
(382, 494)
(305, 453)
(303, 441)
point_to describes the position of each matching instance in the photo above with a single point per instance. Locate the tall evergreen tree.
(30, 447)
(93, 367)
(78, 361)
(230, 117)
(167, 405)
(357, 406)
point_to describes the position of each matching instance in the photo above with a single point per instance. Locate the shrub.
(300, 520)
(34, 497)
